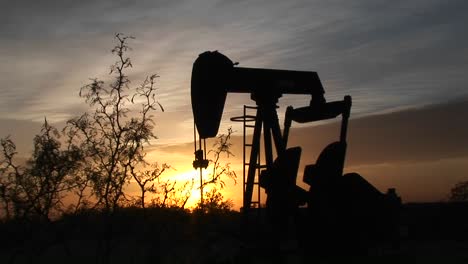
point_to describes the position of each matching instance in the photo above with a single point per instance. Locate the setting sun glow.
(187, 177)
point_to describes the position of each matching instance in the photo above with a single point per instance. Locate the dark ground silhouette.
(428, 233)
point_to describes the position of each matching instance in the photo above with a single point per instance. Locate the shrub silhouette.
(37, 188)
(218, 171)
(459, 193)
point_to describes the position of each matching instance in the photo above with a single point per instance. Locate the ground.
(160, 235)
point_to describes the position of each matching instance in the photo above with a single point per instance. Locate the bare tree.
(13, 199)
(146, 179)
(171, 194)
(184, 193)
(113, 136)
(219, 170)
(168, 188)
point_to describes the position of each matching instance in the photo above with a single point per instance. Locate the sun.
(188, 176)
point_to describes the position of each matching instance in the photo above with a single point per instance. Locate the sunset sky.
(405, 64)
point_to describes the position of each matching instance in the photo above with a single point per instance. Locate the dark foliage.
(459, 193)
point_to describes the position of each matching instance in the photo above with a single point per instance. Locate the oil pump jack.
(214, 76)
(332, 194)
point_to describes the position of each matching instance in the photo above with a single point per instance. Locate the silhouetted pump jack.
(214, 76)
(332, 197)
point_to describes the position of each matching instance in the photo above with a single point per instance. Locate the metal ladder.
(247, 119)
